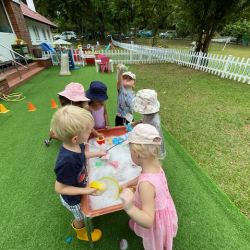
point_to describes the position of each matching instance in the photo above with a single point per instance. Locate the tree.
(240, 30)
(202, 17)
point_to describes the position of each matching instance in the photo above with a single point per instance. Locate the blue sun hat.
(97, 91)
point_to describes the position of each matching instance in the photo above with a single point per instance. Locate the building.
(19, 21)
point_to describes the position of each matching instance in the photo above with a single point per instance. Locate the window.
(44, 34)
(48, 34)
(36, 32)
(4, 22)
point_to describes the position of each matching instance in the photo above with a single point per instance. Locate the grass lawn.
(208, 116)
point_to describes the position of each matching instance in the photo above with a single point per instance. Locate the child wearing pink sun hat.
(73, 94)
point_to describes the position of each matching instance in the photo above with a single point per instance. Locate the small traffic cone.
(31, 107)
(53, 104)
(3, 109)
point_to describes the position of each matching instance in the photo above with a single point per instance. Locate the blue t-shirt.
(71, 169)
(124, 102)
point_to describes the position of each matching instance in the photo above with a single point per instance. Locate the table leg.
(112, 66)
(89, 229)
(97, 67)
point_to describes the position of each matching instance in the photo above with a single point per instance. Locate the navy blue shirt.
(71, 169)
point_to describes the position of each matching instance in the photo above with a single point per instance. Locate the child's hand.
(123, 186)
(119, 70)
(102, 152)
(127, 197)
(91, 191)
(108, 127)
(99, 134)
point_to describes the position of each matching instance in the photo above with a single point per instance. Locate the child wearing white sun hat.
(146, 103)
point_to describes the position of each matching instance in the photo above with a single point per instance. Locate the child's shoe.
(46, 142)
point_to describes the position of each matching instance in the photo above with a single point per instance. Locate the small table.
(111, 65)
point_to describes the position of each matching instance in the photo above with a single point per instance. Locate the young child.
(152, 210)
(97, 93)
(73, 125)
(125, 85)
(146, 103)
(72, 95)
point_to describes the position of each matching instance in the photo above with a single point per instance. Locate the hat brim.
(96, 98)
(74, 99)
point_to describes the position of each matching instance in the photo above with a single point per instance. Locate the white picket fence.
(224, 66)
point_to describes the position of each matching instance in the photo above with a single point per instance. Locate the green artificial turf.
(32, 216)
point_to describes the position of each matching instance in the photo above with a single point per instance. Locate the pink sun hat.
(74, 92)
(144, 134)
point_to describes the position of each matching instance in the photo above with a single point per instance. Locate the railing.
(12, 52)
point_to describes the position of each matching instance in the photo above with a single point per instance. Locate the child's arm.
(119, 76)
(106, 118)
(130, 183)
(145, 216)
(133, 124)
(52, 135)
(95, 154)
(61, 188)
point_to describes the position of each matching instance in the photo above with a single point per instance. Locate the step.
(13, 84)
(13, 73)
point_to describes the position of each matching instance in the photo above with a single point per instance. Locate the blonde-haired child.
(151, 208)
(72, 125)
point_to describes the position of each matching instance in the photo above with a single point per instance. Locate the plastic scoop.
(129, 117)
(113, 189)
(100, 185)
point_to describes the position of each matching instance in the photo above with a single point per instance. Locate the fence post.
(226, 66)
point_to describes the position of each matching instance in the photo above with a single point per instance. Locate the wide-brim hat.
(97, 91)
(144, 134)
(74, 92)
(129, 73)
(146, 102)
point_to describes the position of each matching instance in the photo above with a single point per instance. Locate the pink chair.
(105, 64)
(98, 57)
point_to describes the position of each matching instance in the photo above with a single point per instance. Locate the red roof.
(35, 15)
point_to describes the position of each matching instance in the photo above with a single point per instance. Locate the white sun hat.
(146, 102)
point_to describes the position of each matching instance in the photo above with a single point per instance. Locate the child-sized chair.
(98, 57)
(105, 64)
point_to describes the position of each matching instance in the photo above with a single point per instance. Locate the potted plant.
(19, 41)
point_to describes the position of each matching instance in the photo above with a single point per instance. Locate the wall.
(34, 39)
(18, 23)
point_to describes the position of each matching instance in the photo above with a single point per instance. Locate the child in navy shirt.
(72, 125)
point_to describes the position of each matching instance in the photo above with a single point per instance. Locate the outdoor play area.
(204, 119)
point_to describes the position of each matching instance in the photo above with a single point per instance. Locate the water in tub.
(119, 166)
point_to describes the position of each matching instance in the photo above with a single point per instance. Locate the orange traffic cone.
(3, 109)
(31, 107)
(53, 104)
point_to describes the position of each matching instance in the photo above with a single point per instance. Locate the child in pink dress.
(97, 93)
(152, 210)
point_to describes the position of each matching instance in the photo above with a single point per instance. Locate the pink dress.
(164, 229)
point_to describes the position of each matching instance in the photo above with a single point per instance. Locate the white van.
(66, 35)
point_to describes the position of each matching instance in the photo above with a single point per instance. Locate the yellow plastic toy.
(107, 184)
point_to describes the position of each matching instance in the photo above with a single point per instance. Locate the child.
(146, 103)
(152, 210)
(97, 93)
(125, 85)
(72, 95)
(73, 125)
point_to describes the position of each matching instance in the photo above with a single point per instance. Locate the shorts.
(119, 121)
(75, 209)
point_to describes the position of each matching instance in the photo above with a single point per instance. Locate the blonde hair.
(147, 150)
(69, 121)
